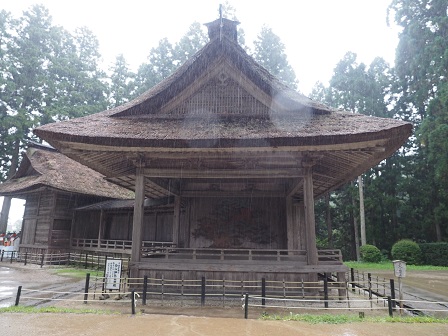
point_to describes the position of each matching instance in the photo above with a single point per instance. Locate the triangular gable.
(222, 78)
(222, 91)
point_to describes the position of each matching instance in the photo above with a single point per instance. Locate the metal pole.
(133, 301)
(392, 292)
(203, 291)
(263, 291)
(400, 294)
(352, 274)
(389, 305)
(246, 305)
(86, 288)
(19, 292)
(145, 289)
(325, 291)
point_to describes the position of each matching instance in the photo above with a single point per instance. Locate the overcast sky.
(316, 33)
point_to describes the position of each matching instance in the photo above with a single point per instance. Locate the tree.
(46, 75)
(270, 53)
(367, 89)
(189, 44)
(122, 85)
(422, 52)
(422, 70)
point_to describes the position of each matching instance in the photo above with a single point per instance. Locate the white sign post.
(112, 274)
(400, 272)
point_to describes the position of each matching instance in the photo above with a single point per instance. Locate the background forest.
(49, 74)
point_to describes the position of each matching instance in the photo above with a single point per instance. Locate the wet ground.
(174, 325)
(180, 321)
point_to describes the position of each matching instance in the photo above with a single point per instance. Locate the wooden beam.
(137, 224)
(295, 187)
(289, 223)
(236, 193)
(176, 220)
(222, 173)
(76, 148)
(310, 220)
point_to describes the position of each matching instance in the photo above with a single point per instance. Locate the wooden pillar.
(290, 223)
(308, 196)
(137, 224)
(101, 228)
(176, 220)
(301, 229)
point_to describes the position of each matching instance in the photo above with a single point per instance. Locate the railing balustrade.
(169, 250)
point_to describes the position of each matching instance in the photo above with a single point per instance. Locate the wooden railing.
(173, 253)
(168, 250)
(116, 244)
(329, 257)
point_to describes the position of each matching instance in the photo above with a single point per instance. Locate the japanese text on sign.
(112, 274)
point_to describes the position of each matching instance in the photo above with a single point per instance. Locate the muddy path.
(174, 325)
(166, 320)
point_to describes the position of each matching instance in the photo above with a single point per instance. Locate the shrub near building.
(408, 251)
(435, 254)
(370, 253)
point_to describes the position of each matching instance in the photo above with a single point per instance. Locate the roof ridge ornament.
(220, 19)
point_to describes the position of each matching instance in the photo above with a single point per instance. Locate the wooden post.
(137, 224)
(176, 220)
(263, 291)
(289, 223)
(310, 221)
(86, 288)
(101, 228)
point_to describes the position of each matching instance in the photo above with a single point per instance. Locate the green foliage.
(370, 253)
(35, 310)
(270, 53)
(408, 251)
(343, 319)
(435, 253)
(387, 265)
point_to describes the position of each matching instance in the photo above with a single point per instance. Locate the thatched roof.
(45, 167)
(210, 114)
(196, 107)
(166, 202)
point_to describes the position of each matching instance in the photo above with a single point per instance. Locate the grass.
(387, 265)
(75, 272)
(34, 310)
(342, 319)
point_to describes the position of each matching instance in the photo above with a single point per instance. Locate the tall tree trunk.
(362, 217)
(7, 200)
(329, 222)
(355, 228)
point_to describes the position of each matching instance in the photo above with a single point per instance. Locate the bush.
(370, 253)
(408, 251)
(435, 254)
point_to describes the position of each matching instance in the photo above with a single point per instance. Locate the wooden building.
(242, 155)
(53, 186)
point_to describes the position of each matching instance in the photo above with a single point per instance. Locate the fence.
(79, 259)
(325, 292)
(320, 295)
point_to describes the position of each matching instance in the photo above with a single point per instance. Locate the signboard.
(112, 274)
(399, 268)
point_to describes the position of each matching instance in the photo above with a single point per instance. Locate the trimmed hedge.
(435, 254)
(408, 251)
(370, 253)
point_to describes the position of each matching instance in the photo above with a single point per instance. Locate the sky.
(316, 33)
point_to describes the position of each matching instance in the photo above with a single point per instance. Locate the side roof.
(43, 166)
